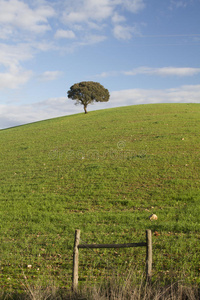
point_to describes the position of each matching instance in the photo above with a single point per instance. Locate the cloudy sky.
(142, 51)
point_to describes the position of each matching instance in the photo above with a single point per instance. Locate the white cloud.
(92, 39)
(108, 74)
(122, 32)
(5, 33)
(165, 71)
(168, 71)
(178, 4)
(89, 39)
(11, 55)
(17, 14)
(12, 80)
(87, 10)
(116, 18)
(12, 115)
(21, 21)
(42, 46)
(50, 75)
(133, 5)
(94, 14)
(182, 94)
(64, 34)
(10, 58)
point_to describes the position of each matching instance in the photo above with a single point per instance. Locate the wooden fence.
(77, 246)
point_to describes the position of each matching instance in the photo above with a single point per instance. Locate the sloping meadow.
(104, 173)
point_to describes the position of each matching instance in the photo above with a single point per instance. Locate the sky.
(142, 51)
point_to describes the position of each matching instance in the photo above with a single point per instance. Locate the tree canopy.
(87, 92)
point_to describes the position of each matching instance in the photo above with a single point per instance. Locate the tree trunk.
(85, 109)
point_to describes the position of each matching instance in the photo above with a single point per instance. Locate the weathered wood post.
(148, 255)
(75, 261)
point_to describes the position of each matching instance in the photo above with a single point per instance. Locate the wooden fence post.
(148, 255)
(75, 261)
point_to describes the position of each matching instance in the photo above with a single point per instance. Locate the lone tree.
(87, 92)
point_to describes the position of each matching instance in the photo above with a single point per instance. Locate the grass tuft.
(114, 288)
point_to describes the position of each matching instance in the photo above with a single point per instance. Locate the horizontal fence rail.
(128, 245)
(78, 246)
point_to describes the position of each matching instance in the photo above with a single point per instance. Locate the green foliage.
(59, 175)
(87, 92)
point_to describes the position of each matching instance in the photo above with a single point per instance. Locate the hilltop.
(104, 172)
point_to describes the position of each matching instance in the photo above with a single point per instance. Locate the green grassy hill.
(103, 173)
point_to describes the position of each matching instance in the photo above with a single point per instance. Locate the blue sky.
(141, 51)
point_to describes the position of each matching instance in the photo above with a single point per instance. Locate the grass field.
(103, 173)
